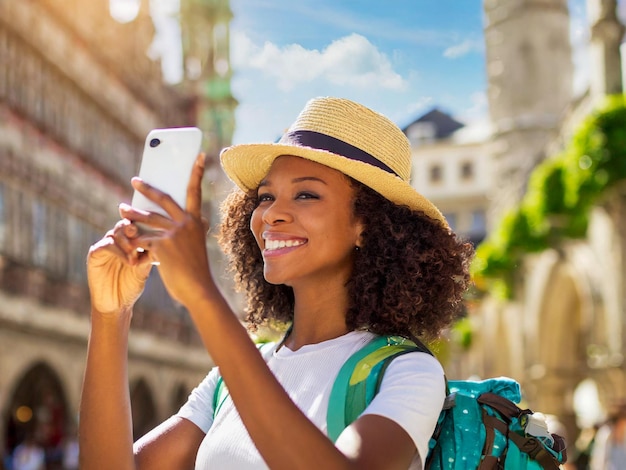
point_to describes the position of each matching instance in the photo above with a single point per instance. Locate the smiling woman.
(304, 225)
(324, 232)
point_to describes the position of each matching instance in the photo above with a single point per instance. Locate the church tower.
(529, 72)
(205, 38)
(206, 46)
(606, 32)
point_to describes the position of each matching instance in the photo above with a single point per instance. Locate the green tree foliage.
(561, 192)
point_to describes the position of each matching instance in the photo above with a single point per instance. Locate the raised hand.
(178, 242)
(116, 271)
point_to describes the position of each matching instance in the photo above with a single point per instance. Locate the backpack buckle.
(450, 401)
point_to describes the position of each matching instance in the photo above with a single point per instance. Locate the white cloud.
(478, 125)
(466, 47)
(419, 106)
(348, 61)
(478, 110)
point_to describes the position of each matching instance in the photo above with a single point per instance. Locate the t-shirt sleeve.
(199, 406)
(412, 394)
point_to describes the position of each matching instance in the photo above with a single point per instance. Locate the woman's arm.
(116, 274)
(171, 445)
(105, 425)
(284, 436)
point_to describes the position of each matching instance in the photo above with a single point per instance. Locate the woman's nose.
(278, 212)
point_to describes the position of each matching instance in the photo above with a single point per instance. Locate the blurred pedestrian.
(29, 454)
(609, 447)
(69, 449)
(584, 448)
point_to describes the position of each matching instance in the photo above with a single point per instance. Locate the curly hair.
(408, 279)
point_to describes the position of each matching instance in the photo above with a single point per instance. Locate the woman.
(324, 232)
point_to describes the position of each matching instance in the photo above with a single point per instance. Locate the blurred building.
(452, 167)
(78, 95)
(564, 331)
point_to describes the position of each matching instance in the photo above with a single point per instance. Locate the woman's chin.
(273, 278)
(277, 279)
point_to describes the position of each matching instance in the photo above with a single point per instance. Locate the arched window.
(38, 406)
(143, 409)
(179, 397)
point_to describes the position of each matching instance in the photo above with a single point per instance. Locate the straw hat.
(343, 135)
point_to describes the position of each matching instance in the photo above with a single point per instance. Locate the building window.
(436, 174)
(21, 227)
(76, 237)
(39, 233)
(467, 170)
(3, 219)
(58, 236)
(421, 133)
(479, 221)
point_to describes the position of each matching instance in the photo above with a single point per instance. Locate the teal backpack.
(479, 427)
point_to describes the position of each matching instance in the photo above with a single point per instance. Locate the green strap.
(357, 381)
(356, 384)
(219, 396)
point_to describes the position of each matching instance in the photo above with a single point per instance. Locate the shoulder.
(416, 362)
(415, 373)
(411, 394)
(199, 406)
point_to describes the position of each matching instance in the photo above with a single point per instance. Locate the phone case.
(167, 161)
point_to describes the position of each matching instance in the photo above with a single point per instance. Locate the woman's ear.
(360, 227)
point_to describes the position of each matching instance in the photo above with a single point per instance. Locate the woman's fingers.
(153, 220)
(119, 242)
(129, 229)
(164, 200)
(194, 188)
(106, 244)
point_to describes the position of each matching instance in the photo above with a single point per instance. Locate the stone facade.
(564, 330)
(78, 95)
(527, 96)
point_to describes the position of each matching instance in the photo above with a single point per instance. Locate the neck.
(319, 315)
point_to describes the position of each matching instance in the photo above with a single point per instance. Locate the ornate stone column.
(604, 48)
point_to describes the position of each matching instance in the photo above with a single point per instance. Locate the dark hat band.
(319, 141)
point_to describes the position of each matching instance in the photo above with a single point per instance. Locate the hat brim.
(247, 164)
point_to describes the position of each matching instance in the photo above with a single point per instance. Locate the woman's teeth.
(276, 244)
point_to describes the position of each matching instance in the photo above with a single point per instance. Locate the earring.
(357, 248)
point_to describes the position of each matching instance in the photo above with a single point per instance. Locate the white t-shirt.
(411, 394)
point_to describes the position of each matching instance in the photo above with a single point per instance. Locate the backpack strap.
(535, 450)
(219, 396)
(529, 445)
(507, 409)
(359, 379)
(490, 461)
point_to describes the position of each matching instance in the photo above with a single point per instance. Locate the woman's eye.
(265, 197)
(306, 195)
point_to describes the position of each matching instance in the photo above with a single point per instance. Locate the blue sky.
(400, 58)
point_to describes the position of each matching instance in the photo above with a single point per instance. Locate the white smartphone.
(166, 164)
